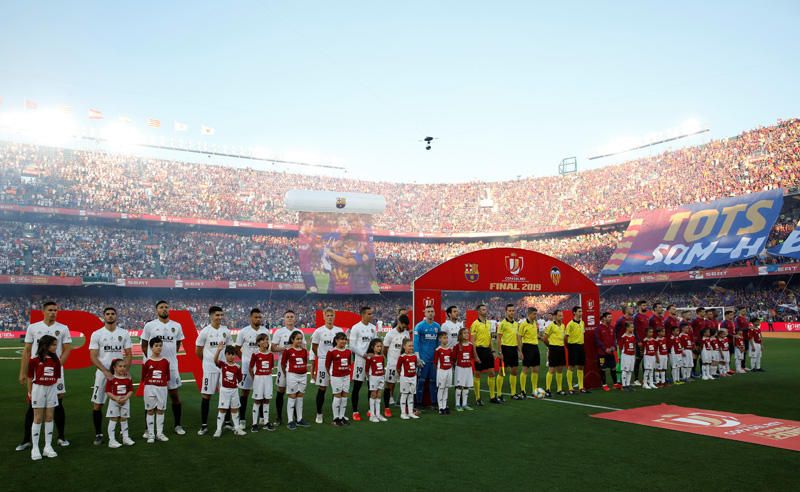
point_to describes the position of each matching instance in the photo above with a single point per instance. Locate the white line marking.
(552, 400)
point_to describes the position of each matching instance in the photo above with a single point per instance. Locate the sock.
(320, 400)
(335, 407)
(279, 404)
(513, 380)
(159, 424)
(265, 411)
(97, 418)
(243, 404)
(220, 421)
(439, 401)
(410, 403)
(558, 380)
(569, 379)
(204, 409)
(580, 378)
(123, 428)
(228, 415)
(523, 382)
(151, 424)
(235, 417)
(60, 419)
(499, 382)
(492, 386)
(613, 376)
(290, 410)
(112, 426)
(354, 396)
(477, 387)
(548, 380)
(176, 413)
(676, 374)
(256, 408)
(377, 406)
(48, 434)
(35, 429)
(26, 436)
(403, 403)
(386, 396)
(298, 406)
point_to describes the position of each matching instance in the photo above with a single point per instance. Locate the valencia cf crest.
(119, 338)
(341, 202)
(471, 272)
(173, 329)
(428, 301)
(555, 275)
(514, 264)
(58, 332)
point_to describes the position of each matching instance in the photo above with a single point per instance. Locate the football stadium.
(310, 246)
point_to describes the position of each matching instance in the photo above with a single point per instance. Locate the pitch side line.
(572, 403)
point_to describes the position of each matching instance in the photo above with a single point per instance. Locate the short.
(530, 355)
(99, 388)
(688, 358)
(444, 378)
(44, 396)
(391, 372)
(155, 397)
(649, 361)
(627, 362)
(725, 358)
(359, 368)
(408, 385)
(555, 356)
(755, 349)
(174, 376)
(115, 410)
(340, 384)
(210, 382)
(262, 387)
(676, 360)
(739, 355)
(228, 398)
(376, 383)
(663, 362)
(486, 359)
(576, 355)
(247, 380)
(707, 356)
(322, 374)
(715, 356)
(606, 361)
(280, 379)
(464, 377)
(510, 355)
(295, 383)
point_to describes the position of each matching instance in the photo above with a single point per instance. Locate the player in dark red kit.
(641, 322)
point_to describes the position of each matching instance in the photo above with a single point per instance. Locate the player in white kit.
(452, 326)
(280, 342)
(105, 345)
(210, 337)
(246, 346)
(35, 331)
(360, 335)
(171, 334)
(393, 342)
(321, 344)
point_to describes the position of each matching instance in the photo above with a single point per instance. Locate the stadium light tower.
(568, 165)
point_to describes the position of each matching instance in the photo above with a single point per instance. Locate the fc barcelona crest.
(514, 264)
(555, 275)
(341, 202)
(471, 272)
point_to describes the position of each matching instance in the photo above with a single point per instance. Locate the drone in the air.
(428, 141)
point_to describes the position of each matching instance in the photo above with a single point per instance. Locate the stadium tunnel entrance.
(512, 270)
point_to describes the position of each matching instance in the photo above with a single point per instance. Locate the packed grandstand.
(99, 218)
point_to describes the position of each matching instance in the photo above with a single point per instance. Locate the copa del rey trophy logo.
(699, 419)
(428, 302)
(514, 264)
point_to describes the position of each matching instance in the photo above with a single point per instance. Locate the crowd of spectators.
(39, 248)
(756, 160)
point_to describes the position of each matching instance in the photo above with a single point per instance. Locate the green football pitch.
(552, 444)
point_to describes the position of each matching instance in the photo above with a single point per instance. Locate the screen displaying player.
(337, 254)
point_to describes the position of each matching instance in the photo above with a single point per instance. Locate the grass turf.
(519, 445)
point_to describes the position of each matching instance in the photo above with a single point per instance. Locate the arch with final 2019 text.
(512, 270)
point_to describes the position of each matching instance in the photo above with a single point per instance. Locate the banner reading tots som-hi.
(700, 235)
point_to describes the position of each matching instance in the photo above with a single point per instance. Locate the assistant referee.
(528, 335)
(481, 335)
(510, 351)
(576, 355)
(554, 338)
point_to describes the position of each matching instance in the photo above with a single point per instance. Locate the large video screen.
(337, 255)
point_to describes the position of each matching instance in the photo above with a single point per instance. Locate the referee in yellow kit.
(576, 357)
(554, 338)
(481, 335)
(510, 351)
(529, 339)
